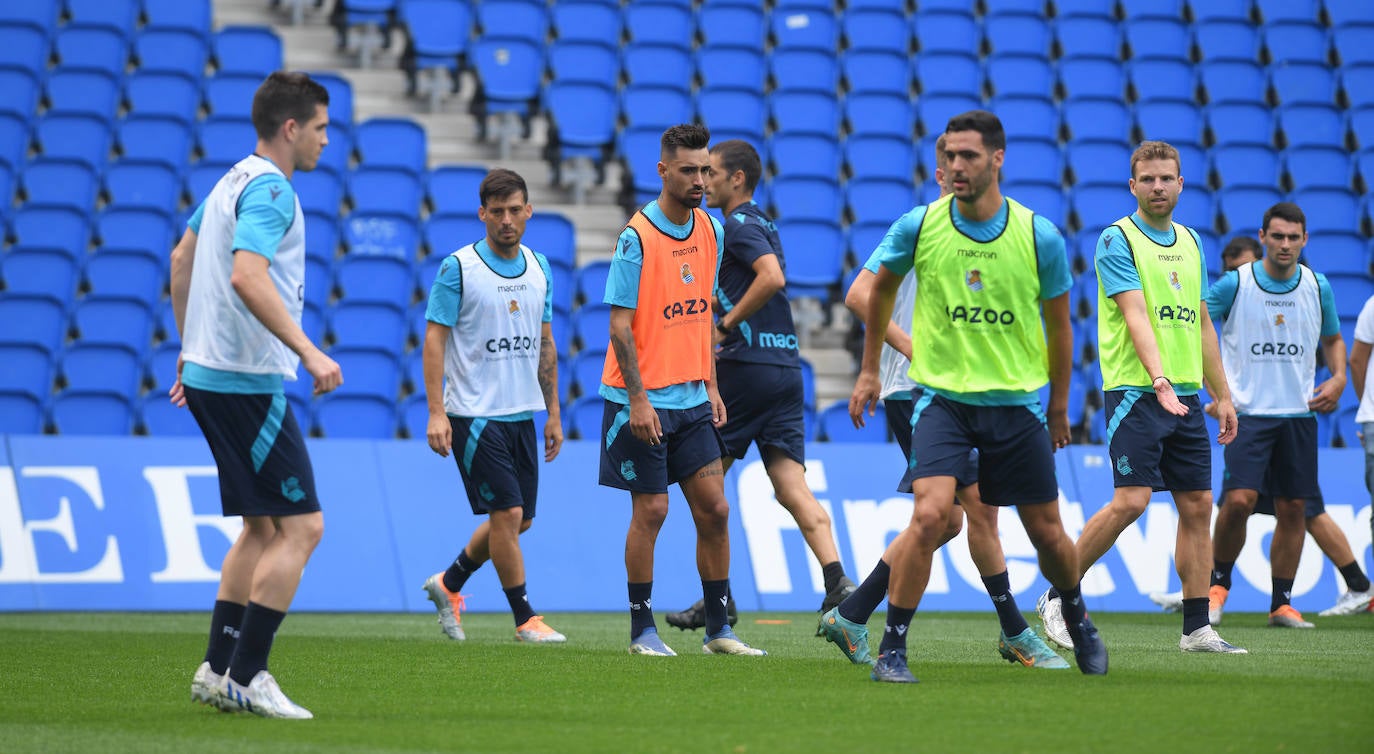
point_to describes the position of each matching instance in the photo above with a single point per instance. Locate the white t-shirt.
(1364, 332)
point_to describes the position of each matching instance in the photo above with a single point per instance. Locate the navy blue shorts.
(1016, 457)
(1274, 454)
(899, 424)
(1311, 506)
(499, 462)
(763, 405)
(259, 450)
(690, 442)
(1150, 447)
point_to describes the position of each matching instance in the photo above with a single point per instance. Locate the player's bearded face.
(685, 174)
(971, 167)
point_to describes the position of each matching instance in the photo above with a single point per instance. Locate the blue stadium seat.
(1043, 199)
(1351, 291)
(591, 281)
(1293, 42)
(1245, 165)
(822, 6)
(586, 371)
(583, 62)
(1226, 40)
(1017, 34)
(1318, 167)
(880, 114)
(552, 235)
(113, 320)
(1097, 119)
(1033, 161)
(76, 137)
(955, 33)
(101, 366)
(804, 30)
(1346, 428)
(658, 65)
(167, 142)
(40, 17)
(161, 368)
(582, 122)
(368, 371)
(34, 319)
(340, 102)
(125, 274)
(321, 236)
(1339, 252)
(943, 73)
(415, 415)
(446, 233)
(1357, 82)
(60, 182)
(7, 186)
(660, 24)
(591, 22)
(25, 48)
(1135, 10)
(394, 143)
(1173, 122)
(733, 111)
(170, 51)
(1084, 9)
(1275, 11)
(1097, 163)
(39, 271)
(25, 368)
(836, 426)
(934, 111)
(439, 31)
(1347, 13)
(159, 417)
(656, 107)
(639, 150)
(878, 157)
(1233, 81)
(815, 256)
(509, 71)
(120, 16)
(247, 50)
(163, 95)
(878, 200)
(136, 184)
(564, 295)
(1362, 126)
(1196, 209)
(192, 16)
(803, 70)
(375, 279)
(202, 177)
(135, 230)
(1303, 84)
(882, 72)
(805, 112)
(97, 48)
(455, 188)
(807, 198)
(364, 417)
(1213, 11)
(1157, 38)
(1021, 76)
(319, 281)
(231, 96)
(369, 324)
(322, 192)
(1022, 118)
(1311, 125)
(381, 234)
(226, 140)
(1087, 37)
(22, 92)
(52, 227)
(513, 19)
(1239, 123)
(583, 417)
(732, 25)
(884, 30)
(1329, 209)
(1156, 79)
(21, 413)
(385, 190)
(591, 325)
(92, 413)
(78, 91)
(1243, 207)
(865, 237)
(1092, 78)
(337, 155)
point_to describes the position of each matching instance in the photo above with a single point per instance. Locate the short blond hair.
(940, 160)
(1155, 150)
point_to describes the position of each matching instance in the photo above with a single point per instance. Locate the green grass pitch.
(115, 682)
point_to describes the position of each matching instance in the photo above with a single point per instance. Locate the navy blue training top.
(767, 337)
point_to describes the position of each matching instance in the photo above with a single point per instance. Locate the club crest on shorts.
(686, 273)
(1174, 281)
(974, 280)
(515, 309)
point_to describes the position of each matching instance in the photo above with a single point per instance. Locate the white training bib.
(1269, 345)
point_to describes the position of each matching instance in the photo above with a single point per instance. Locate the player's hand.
(1226, 417)
(1164, 393)
(178, 392)
(717, 337)
(644, 421)
(717, 406)
(1210, 409)
(553, 437)
(440, 434)
(866, 391)
(1327, 397)
(1058, 420)
(325, 370)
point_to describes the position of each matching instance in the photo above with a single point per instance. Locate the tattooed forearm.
(624, 344)
(548, 372)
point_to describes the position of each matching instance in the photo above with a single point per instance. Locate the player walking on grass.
(758, 365)
(1229, 530)
(489, 363)
(988, 268)
(237, 279)
(663, 410)
(1157, 343)
(1017, 642)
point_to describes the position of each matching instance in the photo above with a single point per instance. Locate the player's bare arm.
(254, 286)
(768, 280)
(856, 300)
(183, 261)
(1214, 374)
(1328, 394)
(868, 387)
(1132, 305)
(548, 384)
(643, 418)
(438, 431)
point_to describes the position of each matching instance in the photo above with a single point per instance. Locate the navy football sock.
(898, 624)
(999, 589)
(860, 604)
(224, 634)
(259, 628)
(641, 608)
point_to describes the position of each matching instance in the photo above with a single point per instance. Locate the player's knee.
(525, 524)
